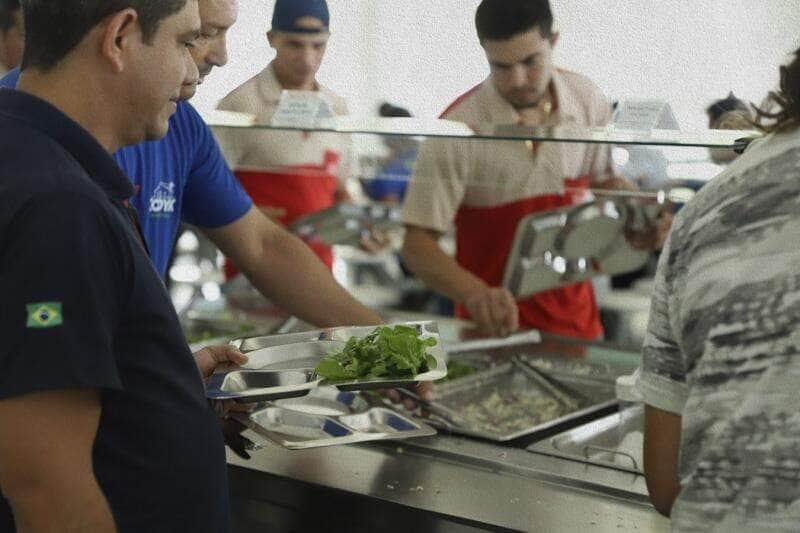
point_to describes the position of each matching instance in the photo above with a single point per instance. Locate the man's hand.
(424, 390)
(208, 359)
(654, 236)
(494, 311)
(375, 241)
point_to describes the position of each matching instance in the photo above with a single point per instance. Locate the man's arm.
(662, 437)
(494, 310)
(285, 270)
(46, 470)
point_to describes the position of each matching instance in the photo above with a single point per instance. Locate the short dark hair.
(8, 8)
(392, 111)
(726, 105)
(787, 99)
(54, 28)
(500, 20)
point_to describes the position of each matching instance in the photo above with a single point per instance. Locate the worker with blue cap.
(289, 174)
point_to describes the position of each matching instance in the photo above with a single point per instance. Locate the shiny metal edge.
(426, 328)
(425, 430)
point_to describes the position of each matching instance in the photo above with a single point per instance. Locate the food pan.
(615, 441)
(507, 402)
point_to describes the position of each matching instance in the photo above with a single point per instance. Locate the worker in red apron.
(485, 188)
(289, 174)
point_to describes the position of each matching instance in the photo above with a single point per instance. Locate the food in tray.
(511, 410)
(387, 352)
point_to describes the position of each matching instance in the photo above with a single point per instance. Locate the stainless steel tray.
(346, 223)
(282, 366)
(560, 367)
(573, 244)
(509, 401)
(615, 441)
(325, 418)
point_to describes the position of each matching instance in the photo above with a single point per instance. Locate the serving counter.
(447, 482)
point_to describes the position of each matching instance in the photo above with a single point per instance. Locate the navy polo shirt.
(181, 178)
(84, 308)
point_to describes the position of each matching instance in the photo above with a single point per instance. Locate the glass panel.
(446, 129)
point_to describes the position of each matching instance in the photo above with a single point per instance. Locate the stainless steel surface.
(507, 402)
(448, 482)
(330, 419)
(480, 485)
(346, 223)
(614, 441)
(590, 229)
(257, 386)
(460, 346)
(568, 245)
(282, 366)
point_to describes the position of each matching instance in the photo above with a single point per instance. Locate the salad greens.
(387, 352)
(458, 369)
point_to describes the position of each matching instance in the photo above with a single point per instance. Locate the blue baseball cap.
(288, 12)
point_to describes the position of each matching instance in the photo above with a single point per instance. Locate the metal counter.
(440, 484)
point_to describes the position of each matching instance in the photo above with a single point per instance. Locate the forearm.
(442, 273)
(289, 274)
(77, 506)
(662, 435)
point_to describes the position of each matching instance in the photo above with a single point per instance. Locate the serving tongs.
(448, 416)
(569, 398)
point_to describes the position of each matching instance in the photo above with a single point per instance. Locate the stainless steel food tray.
(561, 367)
(501, 403)
(282, 366)
(573, 244)
(327, 417)
(614, 441)
(346, 223)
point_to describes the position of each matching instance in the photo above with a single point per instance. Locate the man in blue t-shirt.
(184, 178)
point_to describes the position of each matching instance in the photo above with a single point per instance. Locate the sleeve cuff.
(662, 393)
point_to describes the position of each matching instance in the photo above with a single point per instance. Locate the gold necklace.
(547, 110)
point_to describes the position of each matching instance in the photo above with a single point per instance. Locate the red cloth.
(300, 190)
(484, 238)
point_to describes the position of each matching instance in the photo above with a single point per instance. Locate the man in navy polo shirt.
(184, 177)
(104, 424)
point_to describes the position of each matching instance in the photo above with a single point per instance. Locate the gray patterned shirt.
(723, 344)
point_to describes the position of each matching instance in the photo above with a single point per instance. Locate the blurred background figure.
(389, 184)
(12, 35)
(730, 113)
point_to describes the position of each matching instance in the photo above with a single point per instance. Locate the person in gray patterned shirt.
(720, 372)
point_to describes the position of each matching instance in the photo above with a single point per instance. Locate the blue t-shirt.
(392, 178)
(182, 177)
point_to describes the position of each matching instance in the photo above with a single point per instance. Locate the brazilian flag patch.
(44, 315)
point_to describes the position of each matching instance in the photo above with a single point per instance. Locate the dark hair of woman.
(786, 101)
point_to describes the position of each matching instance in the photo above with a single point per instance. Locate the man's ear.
(271, 38)
(554, 39)
(119, 32)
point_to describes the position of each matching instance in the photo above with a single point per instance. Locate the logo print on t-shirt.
(44, 315)
(162, 203)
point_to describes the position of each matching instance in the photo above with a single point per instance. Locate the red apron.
(301, 190)
(484, 237)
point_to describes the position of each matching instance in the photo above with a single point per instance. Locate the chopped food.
(387, 352)
(508, 411)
